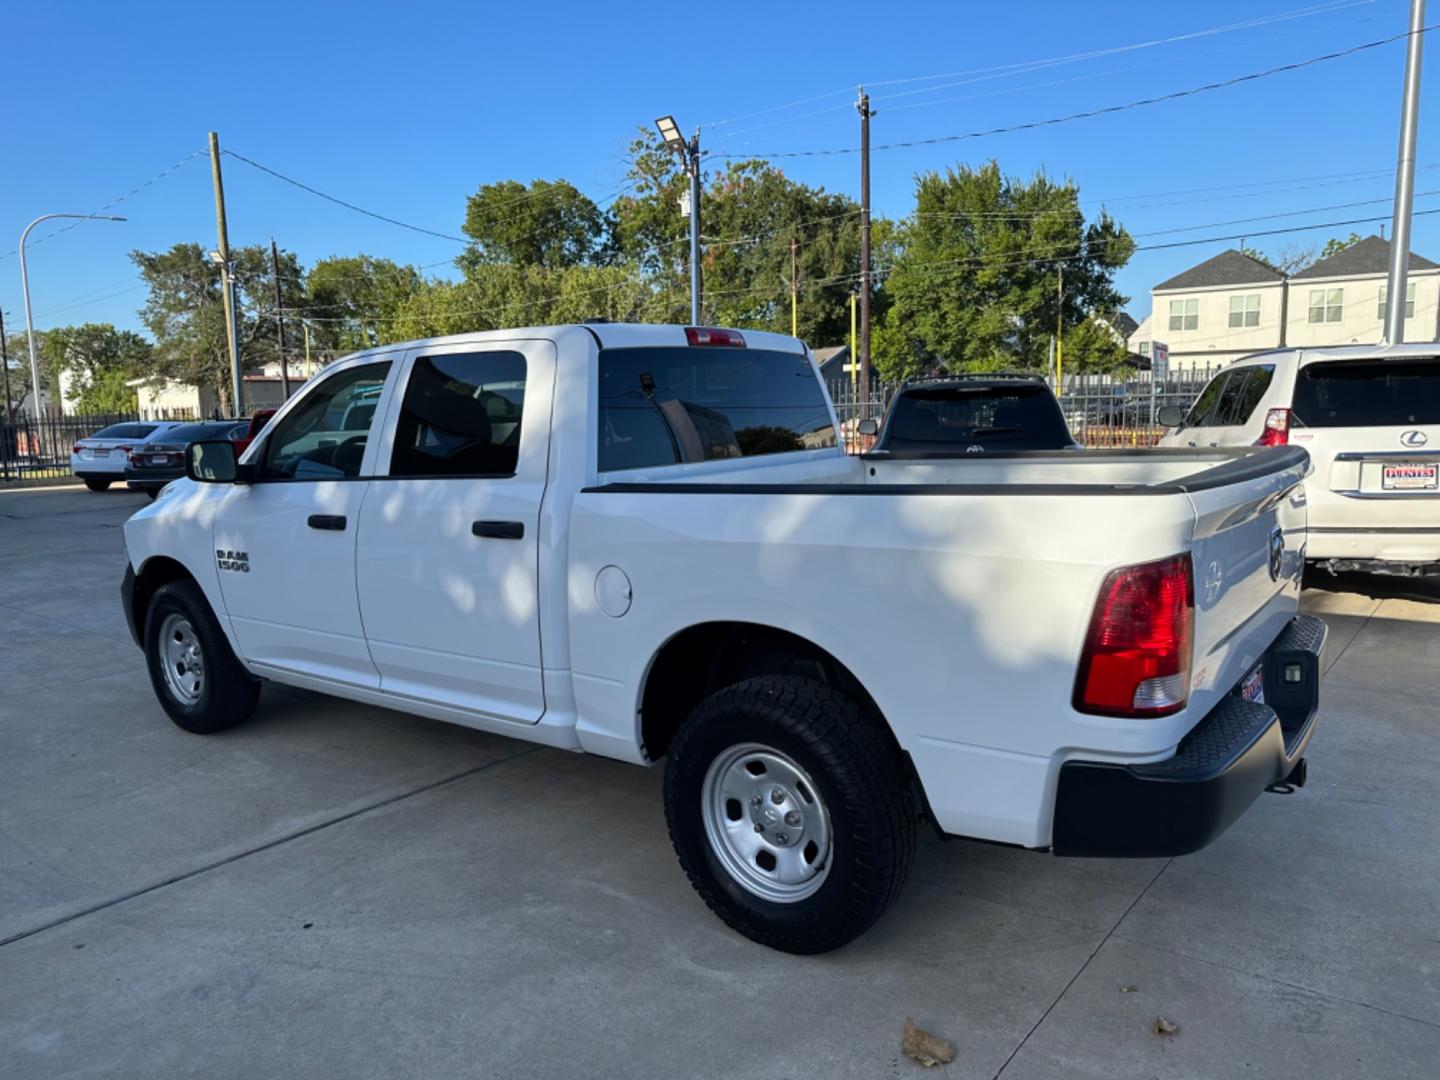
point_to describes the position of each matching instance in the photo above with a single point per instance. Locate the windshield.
(1368, 393)
(1020, 416)
(663, 406)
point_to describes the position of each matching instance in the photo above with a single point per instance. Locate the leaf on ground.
(1164, 1027)
(1128, 989)
(924, 1047)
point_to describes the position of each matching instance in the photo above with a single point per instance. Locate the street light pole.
(1405, 180)
(25, 292)
(689, 153)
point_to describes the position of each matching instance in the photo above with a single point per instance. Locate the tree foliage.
(975, 283)
(547, 223)
(99, 360)
(349, 298)
(185, 311)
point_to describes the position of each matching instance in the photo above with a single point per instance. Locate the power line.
(341, 202)
(1024, 66)
(1091, 113)
(113, 202)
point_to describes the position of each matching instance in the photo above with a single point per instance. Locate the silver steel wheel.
(181, 659)
(766, 823)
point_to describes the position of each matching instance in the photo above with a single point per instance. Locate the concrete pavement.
(344, 891)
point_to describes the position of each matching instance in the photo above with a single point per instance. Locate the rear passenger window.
(1257, 381)
(1202, 413)
(461, 416)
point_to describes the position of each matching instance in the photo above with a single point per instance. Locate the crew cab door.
(448, 555)
(285, 544)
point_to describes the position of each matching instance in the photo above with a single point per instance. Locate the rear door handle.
(332, 522)
(499, 530)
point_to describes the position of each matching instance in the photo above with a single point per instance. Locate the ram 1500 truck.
(644, 542)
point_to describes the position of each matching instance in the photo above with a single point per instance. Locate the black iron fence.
(38, 448)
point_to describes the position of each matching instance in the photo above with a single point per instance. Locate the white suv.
(1369, 417)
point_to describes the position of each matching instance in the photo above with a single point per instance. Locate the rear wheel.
(152, 493)
(95, 484)
(195, 674)
(790, 810)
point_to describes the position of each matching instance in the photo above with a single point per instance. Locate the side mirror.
(212, 462)
(868, 426)
(1170, 416)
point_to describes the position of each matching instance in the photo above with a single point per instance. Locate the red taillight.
(76, 448)
(1136, 660)
(709, 335)
(1277, 429)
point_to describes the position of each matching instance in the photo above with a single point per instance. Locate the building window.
(1144, 348)
(1184, 314)
(1327, 305)
(1409, 302)
(1245, 310)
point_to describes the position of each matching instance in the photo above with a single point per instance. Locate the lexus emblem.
(1414, 437)
(1277, 554)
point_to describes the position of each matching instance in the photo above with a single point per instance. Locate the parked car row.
(147, 454)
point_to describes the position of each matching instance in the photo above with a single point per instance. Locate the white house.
(1232, 305)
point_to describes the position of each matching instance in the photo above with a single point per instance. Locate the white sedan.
(99, 460)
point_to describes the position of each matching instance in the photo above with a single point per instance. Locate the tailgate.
(1248, 556)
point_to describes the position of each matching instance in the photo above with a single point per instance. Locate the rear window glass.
(663, 406)
(124, 431)
(1020, 417)
(1382, 393)
(188, 433)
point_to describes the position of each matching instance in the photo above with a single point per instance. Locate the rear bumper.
(1180, 805)
(1376, 543)
(146, 481)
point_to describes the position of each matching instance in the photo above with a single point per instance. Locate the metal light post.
(690, 157)
(25, 292)
(1405, 180)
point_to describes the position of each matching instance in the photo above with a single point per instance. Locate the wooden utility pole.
(226, 279)
(280, 322)
(864, 106)
(794, 290)
(1059, 327)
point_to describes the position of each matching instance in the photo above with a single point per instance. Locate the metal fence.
(1101, 410)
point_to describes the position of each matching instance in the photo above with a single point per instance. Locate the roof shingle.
(1368, 256)
(1230, 267)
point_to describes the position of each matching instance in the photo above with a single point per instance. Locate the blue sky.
(405, 109)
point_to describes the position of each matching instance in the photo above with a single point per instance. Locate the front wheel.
(790, 810)
(195, 674)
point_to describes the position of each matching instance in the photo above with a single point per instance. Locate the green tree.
(99, 360)
(750, 213)
(548, 223)
(351, 300)
(185, 312)
(1335, 245)
(974, 281)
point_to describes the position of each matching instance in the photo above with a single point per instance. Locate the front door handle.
(332, 522)
(499, 530)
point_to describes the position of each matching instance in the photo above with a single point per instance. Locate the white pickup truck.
(643, 542)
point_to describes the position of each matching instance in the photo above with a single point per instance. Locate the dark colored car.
(152, 466)
(972, 414)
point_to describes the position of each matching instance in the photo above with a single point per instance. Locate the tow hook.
(1296, 779)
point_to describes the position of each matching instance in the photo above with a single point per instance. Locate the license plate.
(1410, 476)
(159, 459)
(99, 453)
(1253, 687)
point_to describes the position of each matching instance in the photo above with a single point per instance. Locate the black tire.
(152, 493)
(97, 485)
(227, 692)
(862, 782)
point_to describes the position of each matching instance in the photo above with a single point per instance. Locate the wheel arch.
(702, 658)
(154, 572)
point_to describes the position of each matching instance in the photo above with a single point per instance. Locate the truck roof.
(609, 335)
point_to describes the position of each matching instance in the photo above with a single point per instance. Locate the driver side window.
(323, 438)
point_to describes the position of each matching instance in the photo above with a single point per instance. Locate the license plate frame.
(1252, 686)
(1410, 476)
(99, 452)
